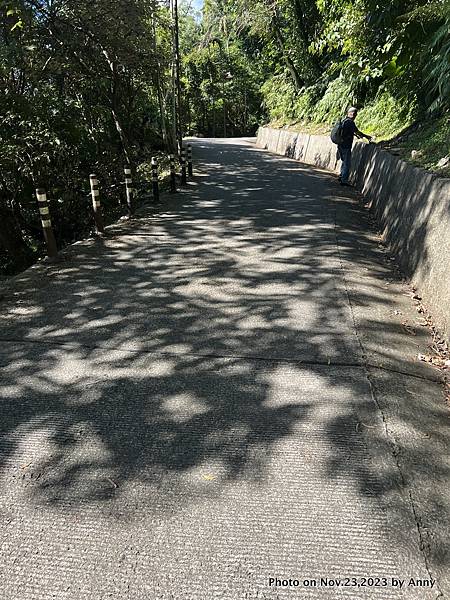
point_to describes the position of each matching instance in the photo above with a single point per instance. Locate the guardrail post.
(129, 189)
(189, 159)
(95, 192)
(173, 181)
(155, 183)
(183, 166)
(52, 251)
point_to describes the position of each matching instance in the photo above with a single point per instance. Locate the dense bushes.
(311, 60)
(391, 59)
(78, 95)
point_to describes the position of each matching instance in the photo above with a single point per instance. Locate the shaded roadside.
(250, 330)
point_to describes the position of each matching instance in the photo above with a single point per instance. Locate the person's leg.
(346, 157)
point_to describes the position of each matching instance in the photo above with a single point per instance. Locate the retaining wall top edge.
(421, 170)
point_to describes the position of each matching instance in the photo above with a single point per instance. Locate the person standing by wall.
(348, 131)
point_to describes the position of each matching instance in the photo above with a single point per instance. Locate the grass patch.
(423, 143)
(426, 144)
(301, 126)
(385, 117)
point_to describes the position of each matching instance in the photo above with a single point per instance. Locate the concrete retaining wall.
(411, 205)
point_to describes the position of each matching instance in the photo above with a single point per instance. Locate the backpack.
(336, 132)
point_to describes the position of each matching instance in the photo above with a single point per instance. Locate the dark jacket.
(348, 133)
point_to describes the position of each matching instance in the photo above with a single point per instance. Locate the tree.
(81, 88)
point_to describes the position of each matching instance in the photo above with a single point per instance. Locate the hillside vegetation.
(309, 61)
(92, 86)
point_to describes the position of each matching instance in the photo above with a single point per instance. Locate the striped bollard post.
(52, 251)
(183, 166)
(189, 159)
(129, 189)
(173, 181)
(95, 192)
(155, 183)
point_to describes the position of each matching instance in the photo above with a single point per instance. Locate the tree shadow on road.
(159, 358)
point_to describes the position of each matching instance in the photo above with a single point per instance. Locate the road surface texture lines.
(221, 395)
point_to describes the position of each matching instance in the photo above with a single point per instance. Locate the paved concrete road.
(219, 393)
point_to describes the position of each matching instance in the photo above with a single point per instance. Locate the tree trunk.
(162, 108)
(177, 60)
(122, 136)
(114, 101)
(288, 61)
(278, 35)
(305, 32)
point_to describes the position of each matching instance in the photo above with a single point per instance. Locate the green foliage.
(431, 142)
(439, 68)
(78, 94)
(393, 58)
(280, 97)
(222, 89)
(306, 102)
(332, 105)
(385, 116)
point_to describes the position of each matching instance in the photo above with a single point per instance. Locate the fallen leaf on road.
(209, 477)
(436, 361)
